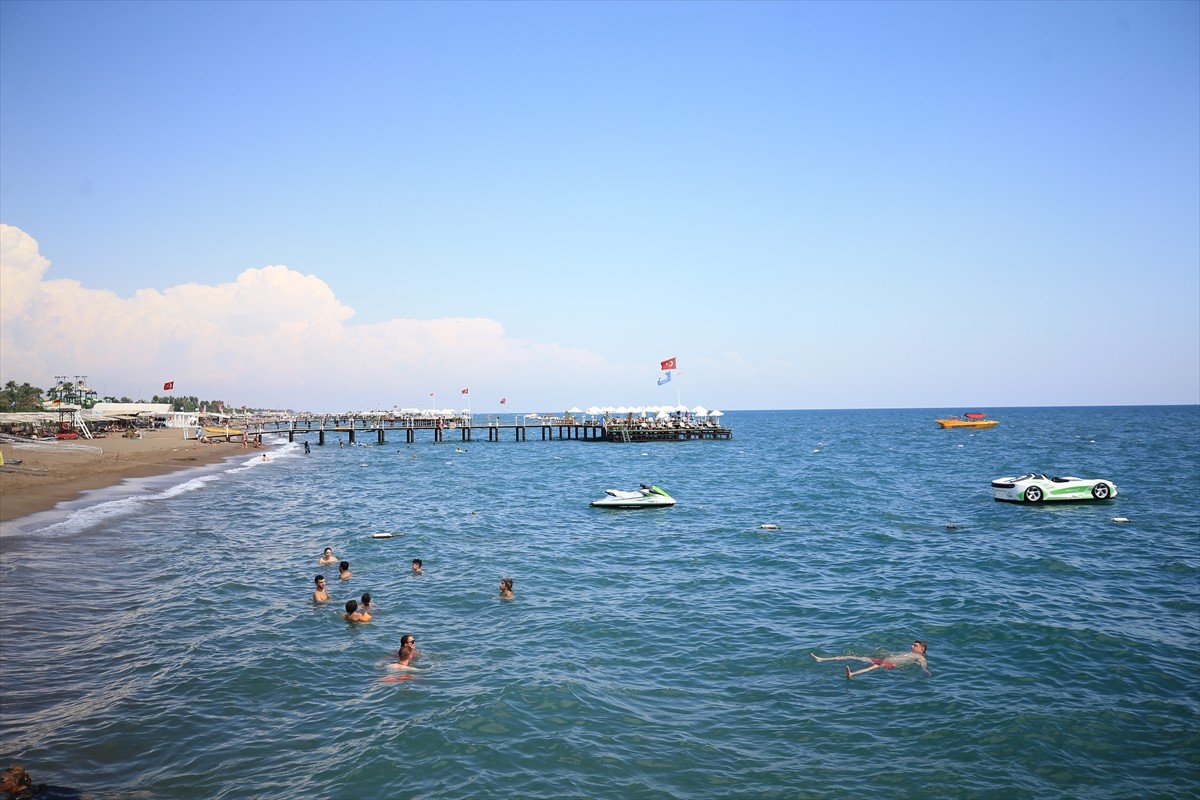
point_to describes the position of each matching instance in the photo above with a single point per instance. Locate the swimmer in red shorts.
(915, 655)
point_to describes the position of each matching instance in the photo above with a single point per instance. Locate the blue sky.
(812, 205)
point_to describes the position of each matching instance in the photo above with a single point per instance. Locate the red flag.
(503, 400)
(668, 364)
(466, 391)
(168, 386)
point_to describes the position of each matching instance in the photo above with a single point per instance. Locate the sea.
(159, 639)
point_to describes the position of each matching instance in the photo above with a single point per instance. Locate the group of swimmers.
(360, 610)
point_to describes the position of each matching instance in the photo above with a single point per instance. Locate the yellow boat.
(222, 431)
(972, 420)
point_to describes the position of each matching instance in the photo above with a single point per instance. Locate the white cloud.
(272, 337)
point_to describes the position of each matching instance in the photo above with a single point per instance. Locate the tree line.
(25, 397)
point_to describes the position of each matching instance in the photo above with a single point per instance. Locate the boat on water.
(972, 419)
(644, 497)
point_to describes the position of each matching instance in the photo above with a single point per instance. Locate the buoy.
(1120, 519)
(769, 526)
(382, 535)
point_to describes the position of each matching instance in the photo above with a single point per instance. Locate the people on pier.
(915, 655)
(320, 595)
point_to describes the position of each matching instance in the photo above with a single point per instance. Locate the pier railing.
(469, 429)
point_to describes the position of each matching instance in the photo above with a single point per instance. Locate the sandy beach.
(51, 472)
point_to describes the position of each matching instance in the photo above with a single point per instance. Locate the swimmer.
(264, 455)
(344, 570)
(353, 614)
(407, 652)
(320, 595)
(416, 566)
(16, 782)
(364, 604)
(328, 557)
(506, 588)
(915, 655)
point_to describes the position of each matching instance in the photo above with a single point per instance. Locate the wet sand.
(51, 472)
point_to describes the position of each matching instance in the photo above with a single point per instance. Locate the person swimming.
(408, 651)
(506, 588)
(353, 614)
(915, 655)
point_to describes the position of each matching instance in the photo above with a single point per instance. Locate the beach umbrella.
(715, 413)
(663, 415)
(574, 410)
(593, 410)
(700, 411)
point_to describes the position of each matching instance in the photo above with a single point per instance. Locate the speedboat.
(644, 497)
(972, 419)
(1036, 487)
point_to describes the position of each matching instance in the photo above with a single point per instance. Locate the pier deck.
(471, 430)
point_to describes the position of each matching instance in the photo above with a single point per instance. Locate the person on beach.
(327, 557)
(416, 566)
(915, 655)
(506, 588)
(319, 594)
(344, 570)
(353, 614)
(306, 450)
(408, 651)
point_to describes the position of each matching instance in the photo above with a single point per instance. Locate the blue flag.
(664, 379)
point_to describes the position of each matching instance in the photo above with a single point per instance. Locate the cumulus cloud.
(272, 337)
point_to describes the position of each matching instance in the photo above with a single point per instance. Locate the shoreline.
(55, 472)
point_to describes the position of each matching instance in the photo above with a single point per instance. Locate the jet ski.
(645, 497)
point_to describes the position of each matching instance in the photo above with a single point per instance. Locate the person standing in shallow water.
(915, 655)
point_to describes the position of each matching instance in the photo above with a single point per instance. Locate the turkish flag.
(466, 391)
(168, 386)
(503, 400)
(668, 364)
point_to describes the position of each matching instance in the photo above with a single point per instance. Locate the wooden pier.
(469, 430)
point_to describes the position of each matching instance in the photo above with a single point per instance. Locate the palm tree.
(20, 398)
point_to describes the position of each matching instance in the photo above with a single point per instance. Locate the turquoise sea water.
(160, 642)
